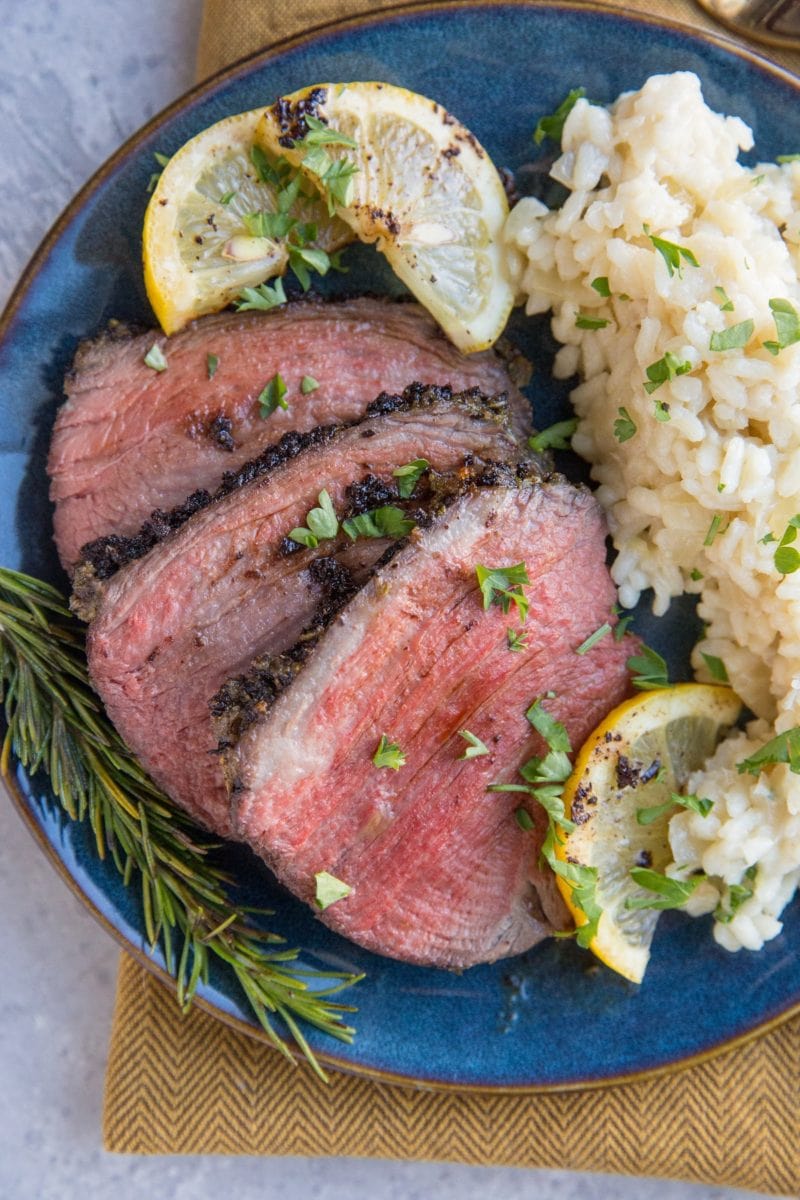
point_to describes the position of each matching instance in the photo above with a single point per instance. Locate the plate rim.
(204, 89)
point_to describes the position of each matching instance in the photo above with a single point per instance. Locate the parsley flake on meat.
(386, 521)
(321, 523)
(503, 586)
(516, 640)
(273, 396)
(308, 384)
(408, 476)
(475, 748)
(212, 362)
(155, 358)
(593, 639)
(329, 889)
(388, 754)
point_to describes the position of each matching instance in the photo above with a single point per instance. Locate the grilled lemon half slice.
(634, 761)
(405, 174)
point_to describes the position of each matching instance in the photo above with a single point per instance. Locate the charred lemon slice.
(406, 175)
(619, 797)
(219, 219)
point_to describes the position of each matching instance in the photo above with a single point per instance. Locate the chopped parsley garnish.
(262, 297)
(787, 158)
(664, 369)
(321, 523)
(475, 748)
(162, 160)
(735, 896)
(516, 640)
(268, 224)
(587, 321)
(388, 754)
(593, 639)
(387, 521)
(212, 362)
(503, 586)
(733, 338)
(600, 285)
(787, 326)
(273, 396)
(329, 889)
(621, 627)
(673, 254)
(698, 804)
(667, 893)
(786, 556)
(714, 528)
(155, 358)
(785, 748)
(550, 728)
(555, 437)
(308, 384)
(524, 820)
(408, 476)
(624, 426)
(766, 539)
(716, 667)
(696, 575)
(226, 199)
(583, 881)
(661, 410)
(726, 304)
(648, 669)
(277, 174)
(320, 134)
(552, 126)
(304, 259)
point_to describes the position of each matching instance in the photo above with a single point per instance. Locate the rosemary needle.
(55, 723)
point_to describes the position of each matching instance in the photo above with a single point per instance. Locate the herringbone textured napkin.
(193, 1085)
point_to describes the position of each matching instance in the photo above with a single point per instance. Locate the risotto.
(672, 274)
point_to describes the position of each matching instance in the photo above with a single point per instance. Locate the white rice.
(692, 495)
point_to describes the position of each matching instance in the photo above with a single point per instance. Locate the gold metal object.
(775, 22)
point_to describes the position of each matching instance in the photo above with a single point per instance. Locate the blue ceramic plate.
(552, 1018)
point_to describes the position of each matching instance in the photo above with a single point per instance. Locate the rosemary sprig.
(55, 723)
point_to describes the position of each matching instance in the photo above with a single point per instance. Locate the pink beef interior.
(441, 872)
(174, 625)
(130, 439)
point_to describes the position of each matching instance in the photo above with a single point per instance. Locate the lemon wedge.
(619, 797)
(406, 175)
(201, 243)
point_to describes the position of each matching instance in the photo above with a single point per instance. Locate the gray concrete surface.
(77, 77)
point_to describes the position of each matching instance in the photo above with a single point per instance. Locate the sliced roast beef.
(439, 870)
(227, 584)
(130, 439)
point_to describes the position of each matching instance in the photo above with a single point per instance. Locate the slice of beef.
(168, 628)
(130, 439)
(439, 869)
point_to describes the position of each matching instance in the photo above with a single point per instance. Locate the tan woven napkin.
(188, 1085)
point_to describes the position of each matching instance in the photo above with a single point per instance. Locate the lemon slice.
(411, 178)
(199, 253)
(643, 752)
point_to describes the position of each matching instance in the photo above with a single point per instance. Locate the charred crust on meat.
(220, 430)
(371, 492)
(101, 558)
(290, 117)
